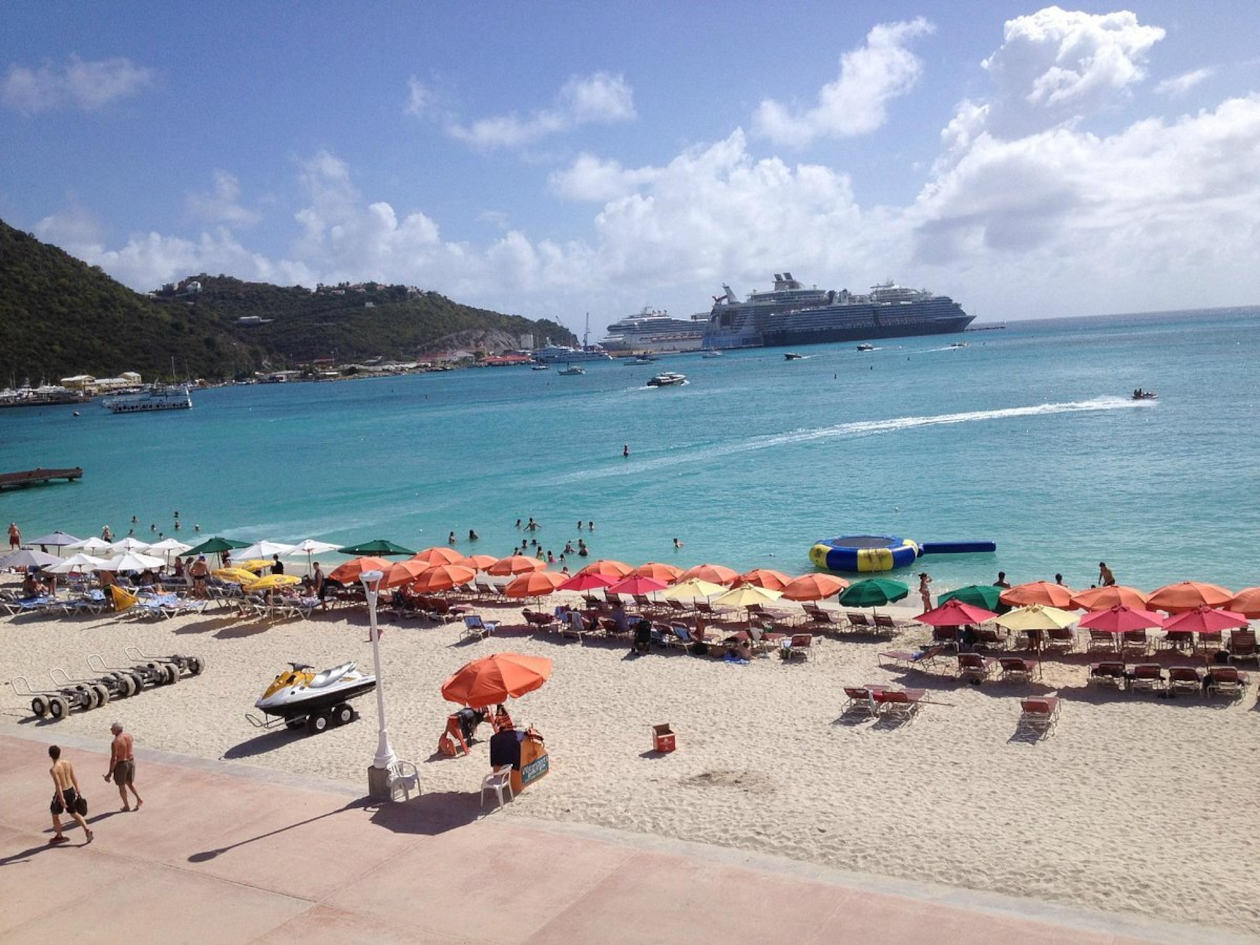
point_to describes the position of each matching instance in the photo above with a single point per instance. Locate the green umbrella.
(378, 547)
(978, 595)
(873, 592)
(214, 546)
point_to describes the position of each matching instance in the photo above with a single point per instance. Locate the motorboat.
(712, 353)
(1140, 394)
(865, 347)
(793, 356)
(958, 344)
(571, 370)
(542, 367)
(300, 696)
(667, 379)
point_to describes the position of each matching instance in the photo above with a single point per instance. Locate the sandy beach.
(1134, 804)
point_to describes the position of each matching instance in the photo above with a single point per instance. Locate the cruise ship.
(651, 330)
(550, 354)
(791, 314)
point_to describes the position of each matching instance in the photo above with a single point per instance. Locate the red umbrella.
(1246, 601)
(766, 577)
(1205, 620)
(515, 564)
(1037, 592)
(1100, 598)
(814, 586)
(614, 569)
(637, 585)
(493, 678)
(1187, 595)
(403, 572)
(657, 571)
(439, 554)
(442, 577)
(587, 582)
(714, 573)
(1121, 619)
(349, 572)
(955, 613)
(535, 584)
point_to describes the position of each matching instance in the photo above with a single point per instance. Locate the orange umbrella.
(494, 678)
(442, 577)
(1037, 592)
(1187, 595)
(438, 554)
(403, 572)
(1246, 602)
(515, 564)
(480, 562)
(814, 587)
(765, 577)
(716, 573)
(666, 573)
(535, 584)
(349, 572)
(1101, 598)
(608, 567)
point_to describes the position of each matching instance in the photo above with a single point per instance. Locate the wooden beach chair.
(1039, 715)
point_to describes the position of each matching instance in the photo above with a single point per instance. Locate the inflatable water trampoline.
(862, 553)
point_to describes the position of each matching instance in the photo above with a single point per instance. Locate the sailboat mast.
(586, 335)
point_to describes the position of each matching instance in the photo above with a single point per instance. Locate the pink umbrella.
(587, 582)
(955, 613)
(1205, 620)
(637, 585)
(1121, 619)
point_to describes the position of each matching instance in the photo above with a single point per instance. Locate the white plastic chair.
(497, 780)
(404, 778)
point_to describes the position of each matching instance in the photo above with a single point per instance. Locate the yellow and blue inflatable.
(863, 553)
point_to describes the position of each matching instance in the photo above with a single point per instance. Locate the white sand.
(1133, 804)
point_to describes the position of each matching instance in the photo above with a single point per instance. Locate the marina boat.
(149, 400)
(865, 347)
(300, 696)
(541, 367)
(793, 356)
(711, 353)
(958, 344)
(667, 379)
(550, 354)
(791, 314)
(641, 359)
(652, 330)
(571, 370)
(43, 395)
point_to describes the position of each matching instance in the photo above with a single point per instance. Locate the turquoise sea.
(1027, 437)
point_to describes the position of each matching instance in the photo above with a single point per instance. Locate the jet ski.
(301, 696)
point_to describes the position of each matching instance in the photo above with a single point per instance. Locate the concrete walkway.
(227, 854)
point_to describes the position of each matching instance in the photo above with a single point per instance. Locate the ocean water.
(1026, 437)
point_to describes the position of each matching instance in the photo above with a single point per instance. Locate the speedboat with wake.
(300, 696)
(1140, 394)
(667, 379)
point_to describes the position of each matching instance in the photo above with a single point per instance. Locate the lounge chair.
(1185, 679)
(677, 606)
(1176, 640)
(823, 618)
(474, 626)
(913, 659)
(1226, 680)
(1062, 639)
(1242, 646)
(975, 668)
(679, 636)
(1147, 676)
(799, 645)
(901, 704)
(1101, 641)
(861, 700)
(857, 620)
(991, 638)
(764, 640)
(573, 626)
(1107, 673)
(886, 622)
(539, 620)
(945, 636)
(1039, 715)
(1134, 643)
(1017, 668)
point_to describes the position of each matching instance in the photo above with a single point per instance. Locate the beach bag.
(80, 805)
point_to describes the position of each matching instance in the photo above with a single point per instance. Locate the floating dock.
(38, 477)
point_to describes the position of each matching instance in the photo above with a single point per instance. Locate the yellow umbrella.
(1036, 617)
(235, 575)
(272, 581)
(747, 594)
(254, 564)
(696, 587)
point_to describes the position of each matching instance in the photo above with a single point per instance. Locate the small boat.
(667, 379)
(958, 344)
(300, 696)
(542, 367)
(641, 359)
(1140, 394)
(793, 356)
(711, 353)
(865, 347)
(571, 370)
(150, 399)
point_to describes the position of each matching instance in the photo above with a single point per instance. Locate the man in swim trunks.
(66, 797)
(122, 765)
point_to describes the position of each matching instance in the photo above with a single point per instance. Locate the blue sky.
(553, 159)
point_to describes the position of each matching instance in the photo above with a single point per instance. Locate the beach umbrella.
(235, 575)
(716, 573)
(693, 588)
(496, 677)
(214, 546)
(1246, 601)
(746, 595)
(1187, 595)
(477, 562)
(1100, 598)
(1205, 620)
(57, 539)
(442, 577)
(27, 558)
(816, 586)
(535, 584)
(981, 595)
(349, 571)
(168, 547)
(666, 573)
(375, 548)
(266, 549)
(614, 569)
(91, 546)
(440, 554)
(132, 561)
(587, 582)
(1121, 618)
(1037, 592)
(873, 592)
(403, 572)
(765, 577)
(124, 545)
(515, 564)
(954, 613)
(1036, 617)
(636, 585)
(273, 581)
(76, 564)
(253, 564)
(310, 547)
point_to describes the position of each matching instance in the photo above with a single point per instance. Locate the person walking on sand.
(925, 595)
(122, 765)
(15, 537)
(66, 797)
(1105, 577)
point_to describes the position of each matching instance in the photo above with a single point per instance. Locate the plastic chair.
(497, 780)
(404, 778)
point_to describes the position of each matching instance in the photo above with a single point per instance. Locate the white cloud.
(1181, 84)
(856, 103)
(80, 84)
(420, 98)
(599, 98)
(222, 204)
(592, 178)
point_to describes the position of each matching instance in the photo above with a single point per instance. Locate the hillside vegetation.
(60, 316)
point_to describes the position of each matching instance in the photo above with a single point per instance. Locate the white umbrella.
(263, 549)
(27, 558)
(167, 547)
(311, 547)
(129, 544)
(132, 561)
(57, 539)
(91, 546)
(76, 564)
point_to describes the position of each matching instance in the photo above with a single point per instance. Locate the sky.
(558, 159)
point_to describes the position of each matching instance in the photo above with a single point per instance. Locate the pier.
(38, 477)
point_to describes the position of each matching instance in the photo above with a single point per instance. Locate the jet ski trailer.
(300, 696)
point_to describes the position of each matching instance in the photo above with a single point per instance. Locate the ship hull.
(819, 336)
(852, 322)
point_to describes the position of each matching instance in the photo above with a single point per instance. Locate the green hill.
(59, 316)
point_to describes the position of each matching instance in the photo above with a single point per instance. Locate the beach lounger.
(945, 636)
(1176, 640)
(1108, 673)
(799, 646)
(678, 635)
(886, 622)
(913, 659)
(1101, 641)
(991, 638)
(573, 626)
(1017, 668)
(763, 640)
(1039, 715)
(900, 704)
(677, 606)
(973, 667)
(1148, 676)
(1134, 643)
(474, 626)
(861, 701)
(1242, 646)
(1226, 680)
(1062, 639)
(857, 620)
(1185, 679)
(539, 620)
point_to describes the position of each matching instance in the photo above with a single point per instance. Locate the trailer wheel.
(137, 682)
(58, 708)
(317, 722)
(126, 685)
(39, 705)
(102, 694)
(172, 674)
(86, 696)
(342, 714)
(195, 665)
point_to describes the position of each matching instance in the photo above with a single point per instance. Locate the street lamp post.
(383, 764)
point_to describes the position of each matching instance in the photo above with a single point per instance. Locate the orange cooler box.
(663, 738)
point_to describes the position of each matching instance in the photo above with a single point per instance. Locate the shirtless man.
(122, 765)
(66, 797)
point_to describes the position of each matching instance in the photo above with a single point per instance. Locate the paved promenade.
(226, 854)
